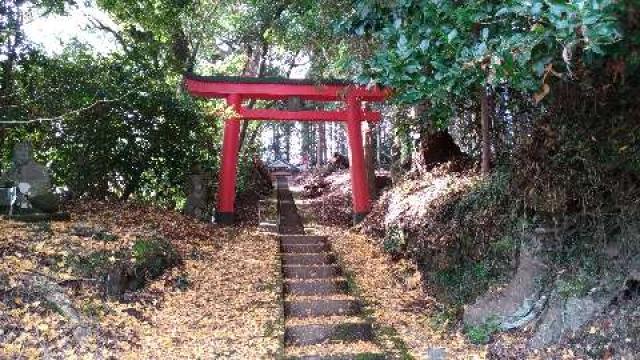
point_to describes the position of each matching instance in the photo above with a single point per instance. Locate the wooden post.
(360, 190)
(229, 165)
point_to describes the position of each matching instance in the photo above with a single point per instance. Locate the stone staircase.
(322, 320)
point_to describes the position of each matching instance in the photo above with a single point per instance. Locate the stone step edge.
(314, 334)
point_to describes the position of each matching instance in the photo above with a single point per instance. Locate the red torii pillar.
(236, 89)
(359, 187)
(229, 164)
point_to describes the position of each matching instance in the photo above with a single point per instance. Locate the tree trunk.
(485, 121)
(256, 66)
(423, 129)
(396, 157)
(321, 150)
(369, 158)
(287, 142)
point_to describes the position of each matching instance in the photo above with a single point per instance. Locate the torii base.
(358, 217)
(225, 218)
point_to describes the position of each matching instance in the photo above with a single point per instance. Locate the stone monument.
(198, 194)
(31, 177)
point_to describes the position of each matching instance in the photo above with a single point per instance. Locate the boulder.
(564, 317)
(517, 303)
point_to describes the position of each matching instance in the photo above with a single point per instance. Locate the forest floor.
(222, 298)
(221, 301)
(392, 293)
(390, 288)
(400, 297)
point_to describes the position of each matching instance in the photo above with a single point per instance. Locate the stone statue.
(26, 170)
(31, 178)
(198, 194)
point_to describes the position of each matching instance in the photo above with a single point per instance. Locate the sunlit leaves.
(441, 47)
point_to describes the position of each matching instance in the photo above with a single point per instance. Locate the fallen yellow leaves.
(393, 297)
(227, 307)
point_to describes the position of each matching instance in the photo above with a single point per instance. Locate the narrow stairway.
(322, 320)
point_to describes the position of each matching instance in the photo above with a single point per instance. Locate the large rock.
(516, 304)
(32, 179)
(565, 316)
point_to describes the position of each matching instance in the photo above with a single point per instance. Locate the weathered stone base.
(37, 217)
(225, 218)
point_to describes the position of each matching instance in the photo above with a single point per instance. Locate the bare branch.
(98, 24)
(70, 113)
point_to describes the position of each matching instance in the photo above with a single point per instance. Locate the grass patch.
(482, 334)
(387, 334)
(97, 263)
(146, 260)
(444, 318)
(459, 284)
(104, 236)
(153, 256)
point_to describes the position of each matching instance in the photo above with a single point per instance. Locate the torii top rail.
(236, 89)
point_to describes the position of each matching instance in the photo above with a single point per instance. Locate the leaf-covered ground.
(395, 298)
(221, 302)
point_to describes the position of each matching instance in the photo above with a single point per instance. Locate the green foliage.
(461, 282)
(445, 317)
(489, 193)
(444, 51)
(136, 137)
(105, 236)
(96, 263)
(153, 256)
(387, 334)
(394, 242)
(481, 334)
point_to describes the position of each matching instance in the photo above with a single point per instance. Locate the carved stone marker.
(198, 194)
(26, 170)
(31, 178)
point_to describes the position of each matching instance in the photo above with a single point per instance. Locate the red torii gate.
(236, 89)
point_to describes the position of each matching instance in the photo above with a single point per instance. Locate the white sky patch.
(54, 32)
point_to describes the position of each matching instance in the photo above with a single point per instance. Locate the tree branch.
(62, 116)
(97, 24)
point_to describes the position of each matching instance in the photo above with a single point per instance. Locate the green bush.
(153, 256)
(394, 242)
(481, 334)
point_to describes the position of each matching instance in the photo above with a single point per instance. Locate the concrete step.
(316, 287)
(320, 307)
(356, 356)
(302, 239)
(304, 249)
(310, 271)
(308, 259)
(322, 333)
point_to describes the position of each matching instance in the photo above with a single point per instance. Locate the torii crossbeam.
(236, 89)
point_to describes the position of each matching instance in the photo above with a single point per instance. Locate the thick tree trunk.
(424, 129)
(287, 142)
(256, 66)
(485, 121)
(379, 146)
(254, 135)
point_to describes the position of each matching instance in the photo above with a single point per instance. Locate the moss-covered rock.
(129, 269)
